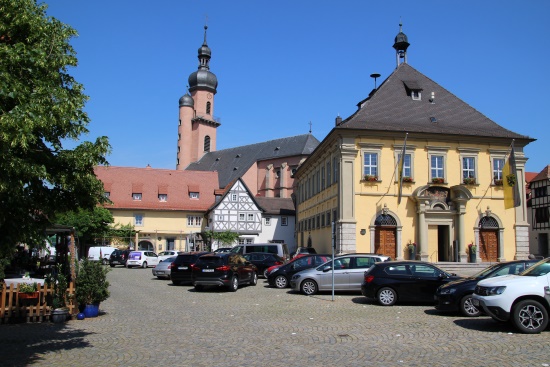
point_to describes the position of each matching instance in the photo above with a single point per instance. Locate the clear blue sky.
(282, 64)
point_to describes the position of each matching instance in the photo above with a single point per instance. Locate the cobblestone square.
(150, 322)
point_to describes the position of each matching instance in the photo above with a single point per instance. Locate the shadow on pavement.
(24, 344)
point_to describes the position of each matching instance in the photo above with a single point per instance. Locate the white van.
(100, 253)
(280, 249)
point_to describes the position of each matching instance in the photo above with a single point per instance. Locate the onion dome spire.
(203, 78)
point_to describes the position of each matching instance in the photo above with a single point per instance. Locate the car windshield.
(210, 260)
(540, 268)
(486, 271)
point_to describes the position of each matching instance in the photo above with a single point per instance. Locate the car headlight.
(494, 291)
(294, 277)
(447, 291)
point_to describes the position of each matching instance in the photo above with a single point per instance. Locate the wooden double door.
(385, 241)
(488, 245)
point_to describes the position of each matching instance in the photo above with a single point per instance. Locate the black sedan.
(457, 295)
(224, 270)
(393, 281)
(263, 261)
(280, 277)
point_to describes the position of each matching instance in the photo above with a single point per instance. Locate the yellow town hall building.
(453, 180)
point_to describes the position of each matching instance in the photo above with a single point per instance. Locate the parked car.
(279, 276)
(522, 299)
(303, 250)
(162, 270)
(263, 260)
(223, 249)
(180, 270)
(348, 274)
(224, 270)
(166, 254)
(394, 281)
(118, 257)
(142, 258)
(280, 249)
(457, 295)
(100, 253)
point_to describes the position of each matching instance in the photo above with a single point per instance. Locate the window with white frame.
(245, 241)
(498, 165)
(194, 220)
(241, 217)
(267, 221)
(284, 221)
(437, 168)
(407, 165)
(163, 198)
(250, 217)
(370, 165)
(193, 195)
(468, 167)
(107, 194)
(234, 197)
(138, 220)
(136, 196)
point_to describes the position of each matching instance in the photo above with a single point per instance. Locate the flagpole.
(401, 166)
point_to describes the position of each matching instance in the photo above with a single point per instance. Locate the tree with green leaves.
(223, 238)
(91, 226)
(41, 112)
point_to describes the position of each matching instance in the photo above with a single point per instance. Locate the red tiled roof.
(122, 182)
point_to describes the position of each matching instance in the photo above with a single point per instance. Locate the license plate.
(160, 272)
(182, 268)
(475, 302)
(207, 270)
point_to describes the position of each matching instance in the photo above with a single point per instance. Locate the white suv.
(142, 258)
(523, 299)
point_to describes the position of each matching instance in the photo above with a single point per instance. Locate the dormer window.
(413, 89)
(163, 198)
(136, 196)
(193, 195)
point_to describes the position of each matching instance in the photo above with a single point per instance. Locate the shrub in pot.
(91, 285)
(58, 301)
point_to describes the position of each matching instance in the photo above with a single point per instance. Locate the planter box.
(32, 295)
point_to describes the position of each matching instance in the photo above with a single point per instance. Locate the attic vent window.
(235, 168)
(217, 159)
(238, 156)
(433, 119)
(277, 148)
(413, 89)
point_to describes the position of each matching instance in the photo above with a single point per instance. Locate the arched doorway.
(488, 239)
(385, 241)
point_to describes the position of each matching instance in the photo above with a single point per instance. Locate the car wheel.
(254, 279)
(176, 282)
(386, 296)
(112, 265)
(308, 287)
(265, 273)
(234, 285)
(104, 261)
(529, 316)
(144, 265)
(467, 308)
(281, 281)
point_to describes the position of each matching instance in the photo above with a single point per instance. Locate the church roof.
(233, 163)
(122, 182)
(392, 108)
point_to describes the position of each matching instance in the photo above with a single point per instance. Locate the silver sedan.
(162, 270)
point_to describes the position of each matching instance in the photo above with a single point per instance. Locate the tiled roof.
(122, 182)
(543, 175)
(391, 108)
(276, 206)
(233, 163)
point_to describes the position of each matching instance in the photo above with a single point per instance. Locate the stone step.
(462, 269)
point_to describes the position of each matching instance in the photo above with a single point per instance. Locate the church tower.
(197, 127)
(400, 45)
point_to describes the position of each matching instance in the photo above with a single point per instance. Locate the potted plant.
(60, 312)
(28, 290)
(411, 250)
(472, 252)
(438, 180)
(469, 180)
(371, 178)
(407, 179)
(497, 182)
(92, 287)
